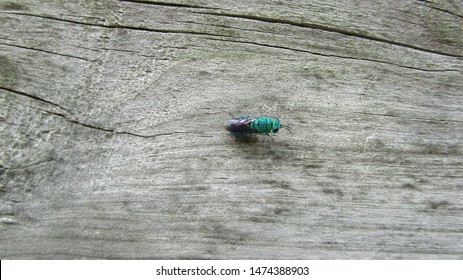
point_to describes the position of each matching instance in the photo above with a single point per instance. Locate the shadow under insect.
(244, 139)
(263, 154)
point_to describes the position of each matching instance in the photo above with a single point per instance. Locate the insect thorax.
(263, 124)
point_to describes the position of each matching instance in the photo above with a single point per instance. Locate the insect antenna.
(287, 128)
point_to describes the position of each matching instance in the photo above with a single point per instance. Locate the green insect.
(246, 125)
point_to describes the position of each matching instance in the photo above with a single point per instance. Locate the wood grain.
(113, 145)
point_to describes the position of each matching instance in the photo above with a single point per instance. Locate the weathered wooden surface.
(113, 146)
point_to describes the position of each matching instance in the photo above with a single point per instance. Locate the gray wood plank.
(113, 145)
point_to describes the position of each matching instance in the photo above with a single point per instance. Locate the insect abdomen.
(239, 126)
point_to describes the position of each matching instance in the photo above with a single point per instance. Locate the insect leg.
(270, 136)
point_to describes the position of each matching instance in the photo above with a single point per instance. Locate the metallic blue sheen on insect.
(246, 125)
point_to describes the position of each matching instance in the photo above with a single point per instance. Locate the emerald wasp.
(246, 125)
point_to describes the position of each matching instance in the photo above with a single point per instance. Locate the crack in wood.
(112, 130)
(330, 29)
(27, 166)
(115, 26)
(337, 56)
(120, 26)
(17, 92)
(45, 51)
(248, 17)
(167, 4)
(109, 130)
(430, 4)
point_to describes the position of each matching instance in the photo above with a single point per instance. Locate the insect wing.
(240, 125)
